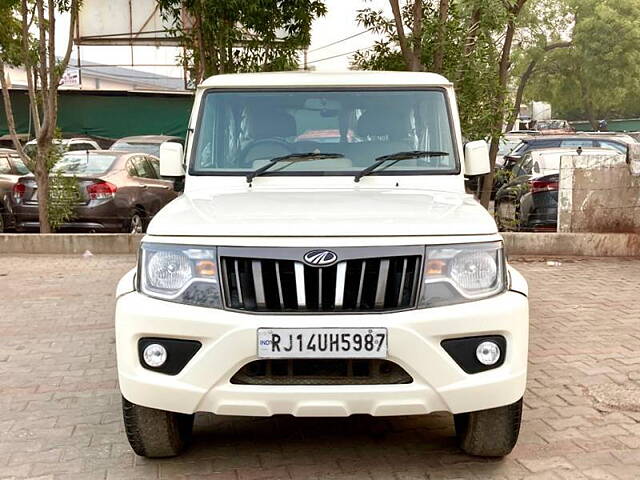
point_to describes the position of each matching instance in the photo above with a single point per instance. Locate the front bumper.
(229, 342)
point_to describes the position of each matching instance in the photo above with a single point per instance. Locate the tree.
(228, 36)
(27, 40)
(598, 76)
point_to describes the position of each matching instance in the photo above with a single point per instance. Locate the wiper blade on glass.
(395, 158)
(293, 157)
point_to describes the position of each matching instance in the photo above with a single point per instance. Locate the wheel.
(489, 433)
(156, 433)
(136, 223)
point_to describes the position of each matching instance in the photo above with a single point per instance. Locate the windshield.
(149, 148)
(241, 131)
(506, 146)
(84, 163)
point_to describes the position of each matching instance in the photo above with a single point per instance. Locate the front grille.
(368, 284)
(321, 372)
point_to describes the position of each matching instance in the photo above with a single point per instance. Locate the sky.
(338, 24)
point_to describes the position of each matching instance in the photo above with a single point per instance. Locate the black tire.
(136, 223)
(156, 433)
(489, 433)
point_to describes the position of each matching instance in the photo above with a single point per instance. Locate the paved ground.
(60, 411)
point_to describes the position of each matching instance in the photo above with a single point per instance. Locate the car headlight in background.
(462, 273)
(182, 274)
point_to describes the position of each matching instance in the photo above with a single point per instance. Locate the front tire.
(489, 433)
(156, 433)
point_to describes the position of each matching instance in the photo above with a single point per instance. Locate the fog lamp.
(488, 353)
(155, 355)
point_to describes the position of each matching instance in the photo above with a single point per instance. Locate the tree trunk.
(42, 179)
(503, 75)
(524, 79)
(438, 57)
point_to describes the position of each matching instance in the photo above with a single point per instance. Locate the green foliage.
(470, 64)
(599, 76)
(64, 194)
(230, 36)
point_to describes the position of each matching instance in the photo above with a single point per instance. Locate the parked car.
(529, 199)
(315, 278)
(119, 192)
(616, 142)
(144, 144)
(11, 169)
(70, 144)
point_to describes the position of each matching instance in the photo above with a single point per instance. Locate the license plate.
(322, 342)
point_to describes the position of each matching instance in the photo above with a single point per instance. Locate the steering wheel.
(258, 143)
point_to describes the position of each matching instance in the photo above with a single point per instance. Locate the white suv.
(324, 260)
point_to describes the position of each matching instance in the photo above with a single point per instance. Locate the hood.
(326, 213)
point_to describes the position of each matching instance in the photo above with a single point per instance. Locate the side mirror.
(476, 158)
(171, 154)
(633, 159)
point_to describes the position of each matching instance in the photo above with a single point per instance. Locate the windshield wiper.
(293, 157)
(395, 158)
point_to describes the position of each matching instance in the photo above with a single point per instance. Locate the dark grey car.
(11, 169)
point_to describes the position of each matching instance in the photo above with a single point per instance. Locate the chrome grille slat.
(276, 282)
(341, 274)
(383, 273)
(279, 283)
(258, 283)
(300, 290)
(239, 285)
(404, 273)
(361, 284)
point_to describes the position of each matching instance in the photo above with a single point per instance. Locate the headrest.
(269, 124)
(380, 123)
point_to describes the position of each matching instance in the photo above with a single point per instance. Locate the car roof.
(64, 141)
(551, 138)
(296, 79)
(148, 139)
(573, 150)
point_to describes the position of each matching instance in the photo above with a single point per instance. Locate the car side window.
(5, 166)
(536, 167)
(131, 168)
(143, 168)
(155, 165)
(523, 167)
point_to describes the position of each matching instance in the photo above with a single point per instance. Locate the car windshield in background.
(150, 148)
(84, 164)
(242, 130)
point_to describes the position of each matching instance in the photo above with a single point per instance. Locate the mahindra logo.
(320, 258)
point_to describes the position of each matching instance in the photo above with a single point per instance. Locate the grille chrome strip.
(341, 275)
(320, 288)
(258, 283)
(359, 298)
(404, 274)
(383, 273)
(237, 272)
(279, 282)
(300, 291)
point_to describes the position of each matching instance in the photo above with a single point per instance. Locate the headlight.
(182, 274)
(462, 273)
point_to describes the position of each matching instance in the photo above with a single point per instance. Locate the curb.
(560, 244)
(573, 244)
(72, 243)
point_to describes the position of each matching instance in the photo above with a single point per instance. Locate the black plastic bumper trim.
(463, 352)
(179, 353)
